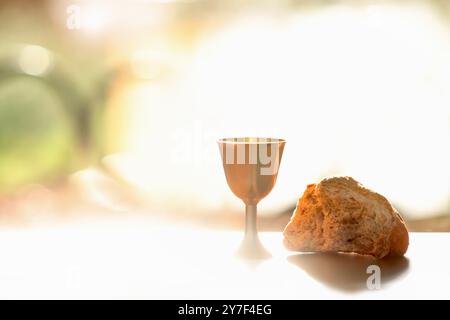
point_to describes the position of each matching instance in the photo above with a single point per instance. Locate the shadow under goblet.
(251, 168)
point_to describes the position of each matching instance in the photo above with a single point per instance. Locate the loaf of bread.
(340, 215)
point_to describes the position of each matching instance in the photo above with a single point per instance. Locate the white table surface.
(141, 259)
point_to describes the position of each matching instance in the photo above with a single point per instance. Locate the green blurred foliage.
(37, 141)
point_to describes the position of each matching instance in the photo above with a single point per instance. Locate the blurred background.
(113, 108)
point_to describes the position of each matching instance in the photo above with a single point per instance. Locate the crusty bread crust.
(340, 215)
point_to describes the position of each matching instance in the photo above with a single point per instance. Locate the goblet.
(251, 168)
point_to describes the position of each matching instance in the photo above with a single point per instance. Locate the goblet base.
(251, 248)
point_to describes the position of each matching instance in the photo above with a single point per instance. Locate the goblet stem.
(251, 247)
(250, 221)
